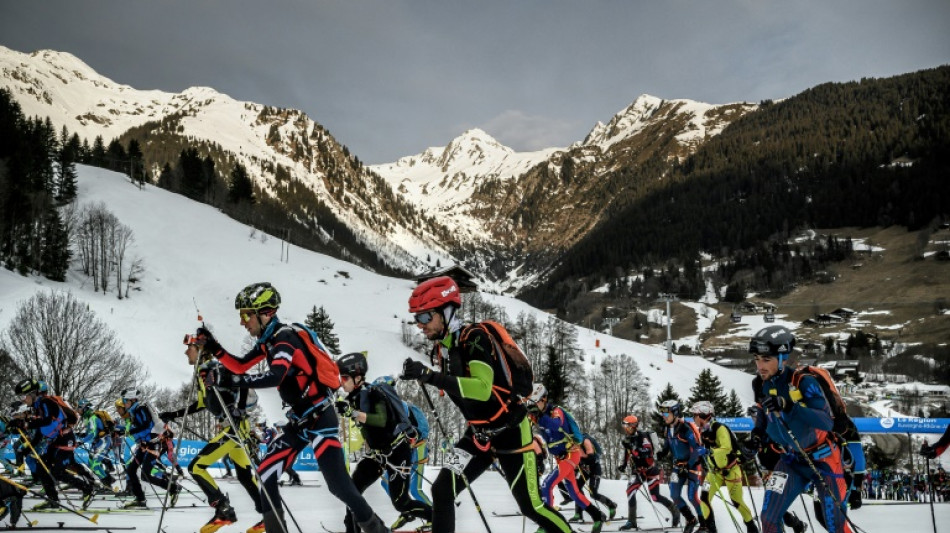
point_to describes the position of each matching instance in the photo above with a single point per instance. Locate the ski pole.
(751, 498)
(646, 493)
(728, 510)
(69, 507)
(820, 479)
(461, 471)
(933, 515)
(237, 433)
(184, 425)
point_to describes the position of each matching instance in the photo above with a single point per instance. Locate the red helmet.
(434, 293)
(630, 420)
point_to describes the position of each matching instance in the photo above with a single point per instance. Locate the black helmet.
(352, 364)
(257, 296)
(777, 341)
(31, 385)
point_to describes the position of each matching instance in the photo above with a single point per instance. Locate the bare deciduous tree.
(101, 244)
(57, 338)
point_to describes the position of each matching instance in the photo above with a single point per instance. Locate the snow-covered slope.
(60, 86)
(185, 267)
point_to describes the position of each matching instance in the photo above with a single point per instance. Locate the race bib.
(776, 482)
(457, 460)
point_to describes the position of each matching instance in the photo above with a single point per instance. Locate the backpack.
(507, 355)
(70, 416)
(108, 424)
(839, 411)
(328, 373)
(412, 420)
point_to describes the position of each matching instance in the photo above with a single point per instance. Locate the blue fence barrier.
(189, 449)
(866, 425)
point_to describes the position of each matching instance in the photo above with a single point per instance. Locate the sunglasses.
(425, 317)
(193, 340)
(344, 377)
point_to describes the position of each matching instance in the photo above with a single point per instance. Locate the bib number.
(458, 460)
(776, 482)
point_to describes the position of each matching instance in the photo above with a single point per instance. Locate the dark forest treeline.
(868, 153)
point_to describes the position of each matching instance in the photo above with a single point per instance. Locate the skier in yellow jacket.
(723, 466)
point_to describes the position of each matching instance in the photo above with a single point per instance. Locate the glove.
(702, 451)
(777, 403)
(17, 423)
(622, 469)
(754, 411)
(754, 443)
(167, 416)
(415, 370)
(928, 451)
(211, 344)
(344, 408)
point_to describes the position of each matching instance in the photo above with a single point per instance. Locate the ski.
(606, 521)
(64, 527)
(518, 513)
(612, 528)
(328, 530)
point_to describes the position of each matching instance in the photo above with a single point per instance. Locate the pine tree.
(708, 387)
(240, 188)
(554, 378)
(66, 181)
(733, 406)
(54, 253)
(319, 321)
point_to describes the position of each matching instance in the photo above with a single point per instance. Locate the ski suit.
(805, 428)
(56, 448)
(592, 471)
(723, 467)
(229, 442)
(684, 443)
(390, 454)
(498, 430)
(147, 451)
(563, 438)
(638, 457)
(98, 440)
(311, 418)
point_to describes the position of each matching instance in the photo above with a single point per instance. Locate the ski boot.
(630, 525)
(259, 528)
(373, 525)
(578, 517)
(46, 505)
(223, 515)
(794, 522)
(136, 504)
(401, 520)
(751, 527)
(598, 525)
(87, 496)
(691, 524)
(12, 506)
(295, 482)
(675, 516)
(611, 512)
(173, 493)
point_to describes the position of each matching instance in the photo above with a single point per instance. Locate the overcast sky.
(389, 78)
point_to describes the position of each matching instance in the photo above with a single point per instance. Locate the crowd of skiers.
(801, 437)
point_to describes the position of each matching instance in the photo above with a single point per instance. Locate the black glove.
(755, 442)
(211, 345)
(167, 416)
(344, 408)
(415, 370)
(622, 469)
(754, 411)
(777, 403)
(928, 451)
(17, 423)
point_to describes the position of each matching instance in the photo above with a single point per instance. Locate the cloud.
(525, 132)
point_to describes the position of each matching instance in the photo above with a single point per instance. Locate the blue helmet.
(84, 404)
(671, 406)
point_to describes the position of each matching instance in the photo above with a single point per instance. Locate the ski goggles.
(193, 340)
(424, 317)
(246, 314)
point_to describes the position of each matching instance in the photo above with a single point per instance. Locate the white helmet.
(538, 393)
(703, 409)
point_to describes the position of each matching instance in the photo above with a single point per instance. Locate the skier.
(472, 373)
(96, 434)
(388, 441)
(722, 466)
(227, 443)
(300, 369)
(55, 450)
(684, 443)
(11, 496)
(768, 455)
(638, 460)
(799, 420)
(563, 438)
(147, 435)
(592, 471)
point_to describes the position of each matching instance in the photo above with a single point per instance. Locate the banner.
(866, 425)
(187, 451)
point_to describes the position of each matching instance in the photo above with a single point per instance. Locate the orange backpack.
(328, 373)
(508, 357)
